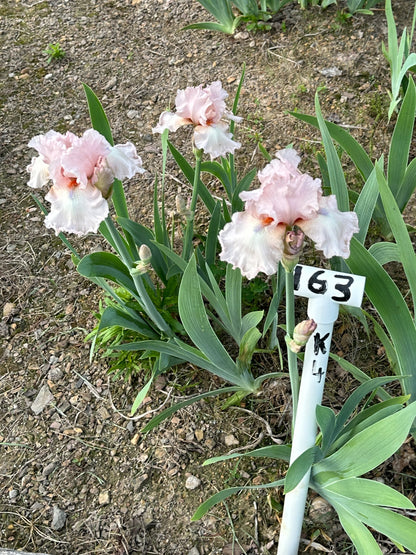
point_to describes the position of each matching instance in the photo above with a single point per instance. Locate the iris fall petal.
(215, 140)
(247, 243)
(75, 209)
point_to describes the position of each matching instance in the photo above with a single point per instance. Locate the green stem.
(119, 242)
(189, 229)
(120, 206)
(291, 356)
(148, 305)
(143, 297)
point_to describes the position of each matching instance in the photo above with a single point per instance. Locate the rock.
(104, 498)
(231, 440)
(13, 494)
(320, 510)
(199, 434)
(49, 468)
(242, 35)
(131, 114)
(193, 551)
(55, 374)
(210, 443)
(192, 482)
(9, 309)
(331, 72)
(110, 84)
(58, 518)
(43, 399)
(103, 413)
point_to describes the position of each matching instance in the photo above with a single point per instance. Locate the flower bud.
(142, 265)
(294, 347)
(293, 245)
(145, 254)
(301, 334)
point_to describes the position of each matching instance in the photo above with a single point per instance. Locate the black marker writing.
(343, 288)
(317, 285)
(296, 277)
(319, 343)
(320, 373)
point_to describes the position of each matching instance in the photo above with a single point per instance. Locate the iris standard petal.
(85, 154)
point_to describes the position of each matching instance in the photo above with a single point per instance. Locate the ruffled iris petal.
(285, 193)
(124, 161)
(81, 160)
(39, 173)
(215, 140)
(247, 243)
(75, 209)
(331, 230)
(200, 105)
(171, 121)
(205, 109)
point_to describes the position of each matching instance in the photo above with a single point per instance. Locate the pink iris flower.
(287, 204)
(82, 171)
(205, 109)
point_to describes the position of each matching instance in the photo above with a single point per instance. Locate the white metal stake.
(325, 290)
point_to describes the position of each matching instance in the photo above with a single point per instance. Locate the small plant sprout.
(54, 51)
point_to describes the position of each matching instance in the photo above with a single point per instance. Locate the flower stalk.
(291, 356)
(189, 229)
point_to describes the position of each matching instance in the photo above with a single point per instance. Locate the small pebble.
(43, 398)
(192, 482)
(49, 468)
(13, 494)
(8, 310)
(104, 498)
(58, 518)
(55, 374)
(231, 440)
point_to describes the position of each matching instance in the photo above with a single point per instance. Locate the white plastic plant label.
(339, 287)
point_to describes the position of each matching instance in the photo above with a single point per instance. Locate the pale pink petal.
(286, 194)
(230, 115)
(282, 168)
(331, 230)
(75, 209)
(124, 161)
(52, 144)
(85, 154)
(289, 157)
(297, 199)
(39, 173)
(215, 140)
(194, 104)
(216, 109)
(171, 121)
(250, 244)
